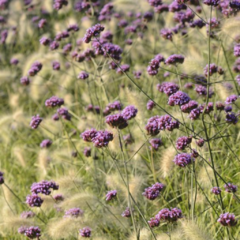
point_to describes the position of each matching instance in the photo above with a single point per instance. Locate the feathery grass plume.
(64, 228)
(192, 231)
(43, 161)
(9, 197)
(145, 234)
(114, 181)
(80, 199)
(14, 100)
(206, 177)
(135, 183)
(175, 235)
(166, 161)
(68, 183)
(48, 202)
(222, 91)
(5, 75)
(229, 27)
(50, 129)
(25, 29)
(19, 154)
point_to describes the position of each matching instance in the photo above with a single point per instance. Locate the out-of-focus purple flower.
(58, 4)
(206, 109)
(85, 232)
(176, 7)
(87, 152)
(155, 143)
(150, 105)
(55, 117)
(27, 214)
(35, 122)
(58, 197)
(34, 200)
(35, 68)
(45, 41)
(168, 88)
(126, 213)
(214, 3)
(200, 142)
(153, 192)
(25, 81)
(236, 66)
(22, 229)
(195, 114)
(93, 32)
(148, 16)
(54, 45)
(137, 74)
(123, 68)
(111, 195)
(188, 85)
(129, 112)
(73, 212)
(83, 75)
(220, 106)
(161, 8)
(73, 27)
(174, 59)
(64, 113)
(186, 108)
(4, 35)
(212, 69)
(154, 65)
(44, 187)
(1, 178)
(155, 3)
(33, 232)
(228, 108)
(54, 102)
(42, 23)
(183, 142)
(46, 143)
(116, 121)
(179, 98)
(231, 99)
(67, 48)
(194, 153)
(154, 222)
(198, 23)
(88, 135)
(230, 188)
(56, 65)
(183, 159)
(167, 34)
(102, 139)
(231, 118)
(237, 50)
(169, 215)
(227, 220)
(216, 190)
(111, 107)
(14, 61)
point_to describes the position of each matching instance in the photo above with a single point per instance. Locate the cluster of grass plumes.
(119, 120)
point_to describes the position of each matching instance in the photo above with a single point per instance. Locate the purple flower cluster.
(129, 112)
(150, 105)
(87, 152)
(178, 98)
(174, 59)
(44, 187)
(212, 69)
(34, 200)
(183, 142)
(229, 187)
(64, 113)
(231, 118)
(85, 232)
(93, 32)
(167, 34)
(25, 81)
(83, 75)
(227, 220)
(231, 99)
(200, 142)
(1, 178)
(183, 159)
(112, 107)
(216, 190)
(35, 68)
(188, 107)
(111, 195)
(35, 122)
(54, 102)
(168, 88)
(73, 212)
(155, 143)
(155, 64)
(157, 123)
(58, 4)
(56, 65)
(46, 143)
(27, 214)
(153, 192)
(126, 213)
(30, 232)
(116, 121)
(214, 3)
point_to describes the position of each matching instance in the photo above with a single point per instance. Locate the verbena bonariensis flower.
(137, 74)
(154, 222)
(116, 121)
(27, 214)
(220, 106)
(126, 213)
(55, 117)
(22, 229)
(85, 232)
(46, 143)
(93, 32)
(237, 50)
(128, 139)
(25, 81)
(227, 220)
(4, 35)
(58, 4)
(155, 3)
(236, 66)
(188, 85)
(176, 7)
(42, 23)
(123, 68)
(102, 139)
(228, 108)
(214, 3)
(67, 48)
(56, 65)
(183, 142)
(64, 113)
(202, 90)
(14, 61)
(183, 159)
(83, 75)
(231, 118)
(198, 23)
(154, 64)
(153, 192)
(168, 88)
(231, 99)
(88, 135)
(169, 215)
(147, 16)
(54, 102)
(166, 33)
(152, 126)
(200, 142)
(112, 106)
(45, 41)
(150, 105)
(73, 27)
(155, 143)
(33, 232)
(87, 152)
(183, 17)
(178, 98)
(54, 45)
(35, 122)
(161, 8)
(1, 178)
(216, 190)
(58, 197)
(212, 69)
(229, 187)
(129, 112)
(35, 68)
(174, 59)
(111, 195)
(206, 108)
(186, 108)
(34, 200)
(195, 114)
(73, 212)
(44, 187)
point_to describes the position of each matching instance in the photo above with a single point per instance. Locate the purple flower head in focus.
(186, 108)
(102, 139)
(155, 143)
(35, 122)
(34, 200)
(33, 232)
(227, 220)
(129, 112)
(154, 222)
(183, 159)
(44, 187)
(116, 121)
(179, 98)
(168, 88)
(88, 135)
(150, 105)
(54, 102)
(153, 192)
(183, 142)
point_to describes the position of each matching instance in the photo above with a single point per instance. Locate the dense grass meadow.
(119, 119)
